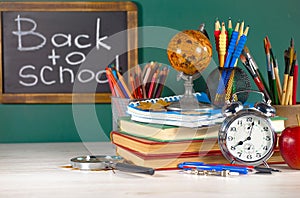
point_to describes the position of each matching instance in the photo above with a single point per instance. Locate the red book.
(167, 155)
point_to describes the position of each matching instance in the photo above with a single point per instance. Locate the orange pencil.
(114, 83)
(122, 81)
(132, 84)
(113, 93)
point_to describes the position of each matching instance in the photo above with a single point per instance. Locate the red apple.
(289, 144)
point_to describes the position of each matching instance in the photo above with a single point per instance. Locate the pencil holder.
(119, 108)
(291, 112)
(223, 82)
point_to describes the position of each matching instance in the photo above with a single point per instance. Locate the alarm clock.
(246, 135)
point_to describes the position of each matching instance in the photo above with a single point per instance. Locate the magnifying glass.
(107, 162)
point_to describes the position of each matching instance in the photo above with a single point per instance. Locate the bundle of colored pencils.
(148, 83)
(229, 44)
(282, 93)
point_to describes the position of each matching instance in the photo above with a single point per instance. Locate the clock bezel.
(222, 137)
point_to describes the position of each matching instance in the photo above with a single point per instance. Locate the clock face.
(248, 138)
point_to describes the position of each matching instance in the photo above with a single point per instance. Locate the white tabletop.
(35, 170)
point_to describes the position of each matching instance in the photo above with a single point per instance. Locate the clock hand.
(248, 138)
(239, 143)
(251, 129)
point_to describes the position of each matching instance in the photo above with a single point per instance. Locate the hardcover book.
(162, 161)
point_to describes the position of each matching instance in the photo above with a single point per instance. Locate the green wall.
(89, 122)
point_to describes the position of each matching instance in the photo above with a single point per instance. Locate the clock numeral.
(239, 154)
(249, 156)
(249, 119)
(232, 148)
(265, 148)
(233, 129)
(258, 122)
(230, 138)
(266, 128)
(258, 155)
(268, 138)
(240, 122)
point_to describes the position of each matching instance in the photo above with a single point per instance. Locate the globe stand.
(188, 101)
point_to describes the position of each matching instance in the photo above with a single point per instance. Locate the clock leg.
(266, 164)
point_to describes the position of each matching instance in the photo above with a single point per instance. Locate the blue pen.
(231, 46)
(236, 54)
(238, 49)
(202, 166)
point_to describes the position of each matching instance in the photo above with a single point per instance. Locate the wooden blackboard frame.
(132, 57)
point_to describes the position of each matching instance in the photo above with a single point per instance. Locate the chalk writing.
(27, 73)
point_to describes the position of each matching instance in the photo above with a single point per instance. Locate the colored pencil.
(278, 82)
(295, 83)
(163, 80)
(289, 92)
(285, 77)
(217, 34)
(122, 81)
(231, 45)
(114, 83)
(222, 45)
(113, 93)
(133, 87)
(229, 30)
(152, 84)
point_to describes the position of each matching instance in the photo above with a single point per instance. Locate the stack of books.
(163, 146)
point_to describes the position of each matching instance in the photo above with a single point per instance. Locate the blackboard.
(57, 52)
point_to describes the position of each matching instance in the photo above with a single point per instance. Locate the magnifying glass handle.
(134, 169)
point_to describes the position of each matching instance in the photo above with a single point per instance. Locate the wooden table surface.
(36, 170)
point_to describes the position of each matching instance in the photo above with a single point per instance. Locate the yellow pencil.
(285, 77)
(278, 83)
(222, 45)
(289, 92)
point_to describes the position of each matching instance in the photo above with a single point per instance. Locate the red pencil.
(152, 85)
(295, 83)
(165, 72)
(217, 33)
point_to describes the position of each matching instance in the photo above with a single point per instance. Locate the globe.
(190, 52)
